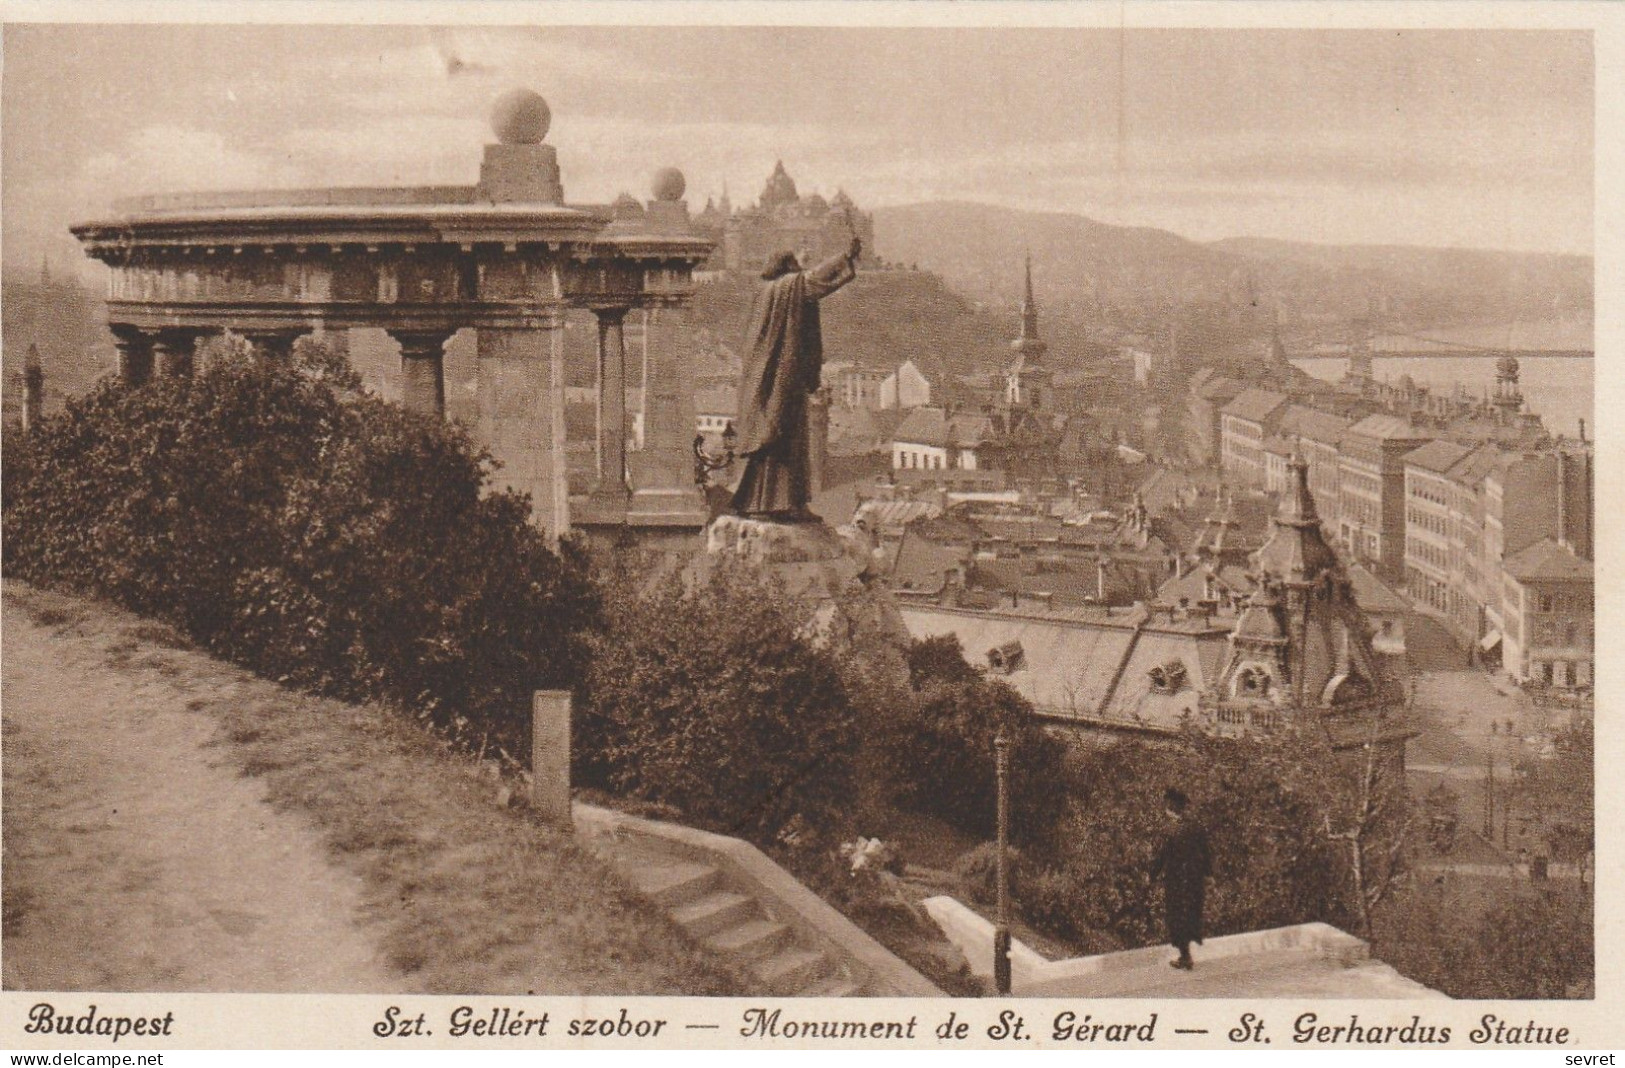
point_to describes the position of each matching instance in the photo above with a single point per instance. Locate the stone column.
(273, 344)
(611, 493)
(134, 354)
(423, 376)
(175, 350)
(33, 390)
(664, 490)
(520, 386)
(818, 438)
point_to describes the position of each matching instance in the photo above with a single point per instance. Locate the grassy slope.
(462, 897)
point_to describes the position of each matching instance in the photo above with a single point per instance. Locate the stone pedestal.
(520, 173)
(514, 382)
(814, 564)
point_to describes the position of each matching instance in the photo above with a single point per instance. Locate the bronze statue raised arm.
(784, 363)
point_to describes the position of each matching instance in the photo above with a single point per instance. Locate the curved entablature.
(506, 257)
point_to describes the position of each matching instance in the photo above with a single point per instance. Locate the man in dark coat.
(784, 362)
(1183, 863)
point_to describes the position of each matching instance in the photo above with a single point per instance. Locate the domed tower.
(1508, 397)
(1027, 381)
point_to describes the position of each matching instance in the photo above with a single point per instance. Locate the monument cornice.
(335, 315)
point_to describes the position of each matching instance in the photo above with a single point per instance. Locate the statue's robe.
(784, 361)
(1184, 863)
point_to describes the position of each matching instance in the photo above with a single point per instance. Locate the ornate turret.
(1301, 647)
(1296, 550)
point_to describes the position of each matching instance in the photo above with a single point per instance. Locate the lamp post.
(705, 463)
(1001, 932)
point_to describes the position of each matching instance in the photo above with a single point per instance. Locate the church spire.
(1029, 307)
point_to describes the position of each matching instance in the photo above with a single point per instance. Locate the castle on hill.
(783, 220)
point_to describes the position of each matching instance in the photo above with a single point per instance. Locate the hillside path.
(136, 858)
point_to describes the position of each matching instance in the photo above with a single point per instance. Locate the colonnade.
(520, 389)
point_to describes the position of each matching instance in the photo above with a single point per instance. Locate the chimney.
(1563, 499)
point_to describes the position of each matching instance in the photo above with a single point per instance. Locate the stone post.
(175, 350)
(134, 354)
(611, 494)
(423, 371)
(550, 755)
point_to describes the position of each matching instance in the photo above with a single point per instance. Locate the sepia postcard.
(550, 526)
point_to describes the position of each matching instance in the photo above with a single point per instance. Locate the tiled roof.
(933, 426)
(1372, 594)
(1086, 663)
(1471, 469)
(1311, 423)
(1382, 427)
(1255, 405)
(922, 564)
(1547, 560)
(1436, 456)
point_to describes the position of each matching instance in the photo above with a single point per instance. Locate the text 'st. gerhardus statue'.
(783, 366)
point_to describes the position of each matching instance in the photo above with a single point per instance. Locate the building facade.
(1245, 425)
(1549, 612)
(1371, 487)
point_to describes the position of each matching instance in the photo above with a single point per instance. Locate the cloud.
(177, 158)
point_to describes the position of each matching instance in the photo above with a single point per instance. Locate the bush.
(1527, 943)
(938, 747)
(1273, 866)
(713, 698)
(317, 536)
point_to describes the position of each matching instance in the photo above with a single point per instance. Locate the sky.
(1463, 138)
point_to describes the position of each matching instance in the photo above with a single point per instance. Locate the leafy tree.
(1528, 942)
(314, 534)
(711, 696)
(936, 745)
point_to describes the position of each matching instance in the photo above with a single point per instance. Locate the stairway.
(731, 924)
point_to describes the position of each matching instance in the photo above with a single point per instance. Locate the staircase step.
(714, 912)
(751, 940)
(675, 883)
(790, 969)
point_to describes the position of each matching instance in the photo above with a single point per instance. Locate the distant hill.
(885, 317)
(1131, 276)
(69, 324)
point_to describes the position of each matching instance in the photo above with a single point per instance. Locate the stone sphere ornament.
(521, 117)
(669, 184)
